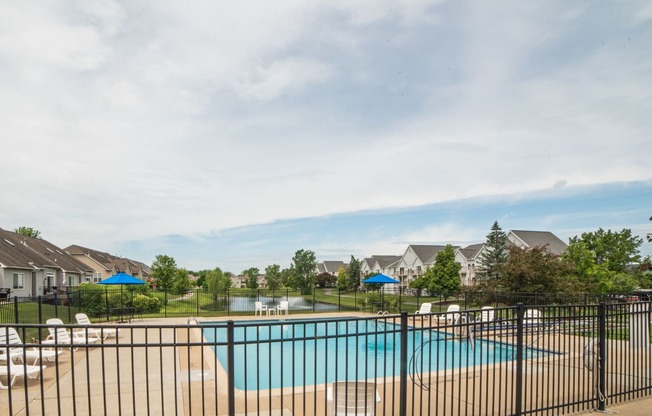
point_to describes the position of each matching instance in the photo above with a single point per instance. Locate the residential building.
(105, 265)
(469, 258)
(33, 266)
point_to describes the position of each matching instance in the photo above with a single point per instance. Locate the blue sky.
(232, 135)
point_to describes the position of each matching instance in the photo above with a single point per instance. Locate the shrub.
(146, 304)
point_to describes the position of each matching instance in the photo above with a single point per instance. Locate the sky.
(232, 135)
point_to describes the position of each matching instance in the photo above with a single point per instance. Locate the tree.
(273, 276)
(325, 279)
(342, 279)
(495, 254)
(181, 283)
(534, 270)
(216, 281)
(616, 250)
(444, 275)
(353, 271)
(649, 235)
(163, 270)
(251, 282)
(28, 231)
(302, 275)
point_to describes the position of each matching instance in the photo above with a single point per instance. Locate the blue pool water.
(275, 354)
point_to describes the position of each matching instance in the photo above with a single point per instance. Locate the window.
(418, 269)
(97, 277)
(19, 281)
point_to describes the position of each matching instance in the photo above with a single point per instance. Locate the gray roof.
(471, 251)
(19, 251)
(109, 261)
(541, 238)
(386, 260)
(427, 253)
(330, 266)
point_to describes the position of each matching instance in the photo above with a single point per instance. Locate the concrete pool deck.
(184, 380)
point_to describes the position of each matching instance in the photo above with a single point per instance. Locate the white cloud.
(141, 119)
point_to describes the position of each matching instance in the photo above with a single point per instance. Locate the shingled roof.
(471, 251)
(19, 251)
(533, 239)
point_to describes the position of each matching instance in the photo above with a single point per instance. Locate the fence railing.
(516, 360)
(110, 304)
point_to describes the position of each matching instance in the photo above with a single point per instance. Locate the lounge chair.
(532, 317)
(352, 398)
(101, 333)
(259, 308)
(487, 314)
(283, 306)
(425, 308)
(452, 314)
(9, 338)
(60, 335)
(12, 371)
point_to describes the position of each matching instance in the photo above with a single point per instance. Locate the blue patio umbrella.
(382, 280)
(122, 278)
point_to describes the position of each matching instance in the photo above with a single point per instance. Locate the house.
(32, 266)
(105, 265)
(415, 261)
(331, 267)
(531, 239)
(470, 260)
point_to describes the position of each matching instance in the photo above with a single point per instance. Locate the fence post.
(602, 334)
(230, 354)
(520, 314)
(402, 411)
(16, 309)
(314, 298)
(339, 300)
(165, 302)
(197, 297)
(56, 305)
(40, 310)
(68, 299)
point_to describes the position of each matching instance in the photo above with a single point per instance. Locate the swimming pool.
(292, 353)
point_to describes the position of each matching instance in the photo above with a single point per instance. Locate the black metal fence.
(512, 360)
(110, 304)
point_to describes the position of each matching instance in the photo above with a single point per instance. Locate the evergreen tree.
(353, 271)
(495, 254)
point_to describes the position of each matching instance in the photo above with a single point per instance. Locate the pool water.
(275, 354)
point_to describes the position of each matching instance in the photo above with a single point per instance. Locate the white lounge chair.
(452, 314)
(283, 306)
(352, 398)
(101, 333)
(425, 308)
(9, 338)
(60, 335)
(260, 308)
(13, 371)
(532, 317)
(487, 314)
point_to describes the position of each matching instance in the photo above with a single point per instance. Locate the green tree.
(181, 283)
(342, 279)
(649, 235)
(617, 250)
(302, 276)
(285, 277)
(251, 281)
(444, 275)
(216, 282)
(534, 270)
(163, 270)
(28, 231)
(495, 253)
(421, 282)
(273, 276)
(353, 271)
